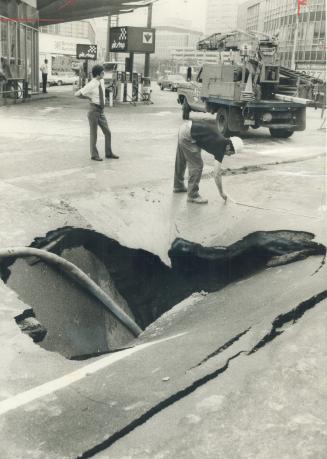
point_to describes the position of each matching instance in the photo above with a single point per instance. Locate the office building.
(193, 57)
(168, 38)
(302, 38)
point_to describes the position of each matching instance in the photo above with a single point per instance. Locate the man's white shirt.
(44, 68)
(91, 90)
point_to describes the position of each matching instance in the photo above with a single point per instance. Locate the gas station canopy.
(55, 11)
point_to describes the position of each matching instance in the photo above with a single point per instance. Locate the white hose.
(79, 276)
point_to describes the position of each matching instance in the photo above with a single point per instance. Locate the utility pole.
(108, 39)
(147, 55)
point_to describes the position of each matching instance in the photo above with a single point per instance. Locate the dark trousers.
(44, 81)
(97, 118)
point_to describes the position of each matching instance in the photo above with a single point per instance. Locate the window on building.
(21, 45)
(313, 56)
(12, 42)
(4, 39)
(316, 32)
(320, 55)
(323, 30)
(29, 51)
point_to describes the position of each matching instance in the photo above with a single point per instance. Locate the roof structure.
(56, 11)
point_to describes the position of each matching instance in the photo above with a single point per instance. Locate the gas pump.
(120, 87)
(146, 89)
(124, 87)
(139, 82)
(129, 87)
(135, 86)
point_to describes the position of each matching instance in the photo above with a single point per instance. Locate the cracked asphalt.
(190, 386)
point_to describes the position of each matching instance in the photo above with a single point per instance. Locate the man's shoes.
(180, 190)
(198, 200)
(112, 156)
(97, 159)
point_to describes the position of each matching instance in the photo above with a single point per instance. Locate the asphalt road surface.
(236, 373)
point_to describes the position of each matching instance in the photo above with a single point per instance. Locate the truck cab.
(189, 94)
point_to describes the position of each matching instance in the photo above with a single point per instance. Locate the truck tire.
(222, 122)
(281, 133)
(186, 110)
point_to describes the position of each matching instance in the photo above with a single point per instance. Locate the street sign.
(86, 51)
(132, 40)
(118, 39)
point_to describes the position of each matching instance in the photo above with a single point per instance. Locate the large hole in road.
(65, 318)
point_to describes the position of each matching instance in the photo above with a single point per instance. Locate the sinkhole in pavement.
(64, 318)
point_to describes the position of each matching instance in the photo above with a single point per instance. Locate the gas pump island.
(129, 86)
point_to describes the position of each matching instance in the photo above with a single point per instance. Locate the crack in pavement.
(261, 167)
(222, 348)
(276, 330)
(291, 316)
(156, 409)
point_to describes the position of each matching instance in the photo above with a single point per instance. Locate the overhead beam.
(56, 11)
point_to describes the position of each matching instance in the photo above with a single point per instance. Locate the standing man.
(94, 91)
(192, 137)
(44, 71)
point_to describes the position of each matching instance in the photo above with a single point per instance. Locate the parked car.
(64, 78)
(171, 82)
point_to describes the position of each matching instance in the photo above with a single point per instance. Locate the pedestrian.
(193, 136)
(44, 70)
(94, 91)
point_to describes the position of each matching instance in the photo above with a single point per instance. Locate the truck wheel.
(59, 83)
(186, 110)
(281, 133)
(161, 87)
(222, 122)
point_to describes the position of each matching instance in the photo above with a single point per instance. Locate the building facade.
(169, 38)
(19, 41)
(221, 16)
(58, 44)
(302, 39)
(193, 57)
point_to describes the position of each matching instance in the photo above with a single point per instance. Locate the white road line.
(52, 386)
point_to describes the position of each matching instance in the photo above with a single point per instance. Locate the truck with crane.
(242, 89)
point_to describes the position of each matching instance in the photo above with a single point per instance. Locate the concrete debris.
(31, 326)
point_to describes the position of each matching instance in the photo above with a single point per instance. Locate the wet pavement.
(160, 400)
